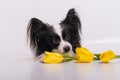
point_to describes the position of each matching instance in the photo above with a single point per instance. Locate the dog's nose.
(66, 48)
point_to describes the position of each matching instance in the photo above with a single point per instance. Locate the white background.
(100, 31)
(100, 22)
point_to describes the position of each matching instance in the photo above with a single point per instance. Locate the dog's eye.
(56, 40)
(67, 37)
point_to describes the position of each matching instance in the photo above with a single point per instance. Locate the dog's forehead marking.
(58, 29)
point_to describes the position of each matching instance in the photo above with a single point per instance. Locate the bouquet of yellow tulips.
(82, 55)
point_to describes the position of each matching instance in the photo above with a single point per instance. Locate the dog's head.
(63, 37)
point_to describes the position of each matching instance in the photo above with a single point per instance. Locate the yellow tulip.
(52, 58)
(107, 56)
(83, 55)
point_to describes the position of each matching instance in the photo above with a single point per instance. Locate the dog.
(63, 37)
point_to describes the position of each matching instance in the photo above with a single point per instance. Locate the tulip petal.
(52, 58)
(107, 56)
(83, 55)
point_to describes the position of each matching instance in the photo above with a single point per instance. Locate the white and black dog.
(63, 37)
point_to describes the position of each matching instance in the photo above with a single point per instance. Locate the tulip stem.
(117, 56)
(97, 57)
(68, 58)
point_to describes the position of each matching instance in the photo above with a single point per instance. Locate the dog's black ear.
(36, 25)
(72, 18)
(34, 28)
(73, 24)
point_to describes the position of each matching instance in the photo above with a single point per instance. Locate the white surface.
(27, 69)
(100, 26)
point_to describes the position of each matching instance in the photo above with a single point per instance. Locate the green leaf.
(65, 55)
